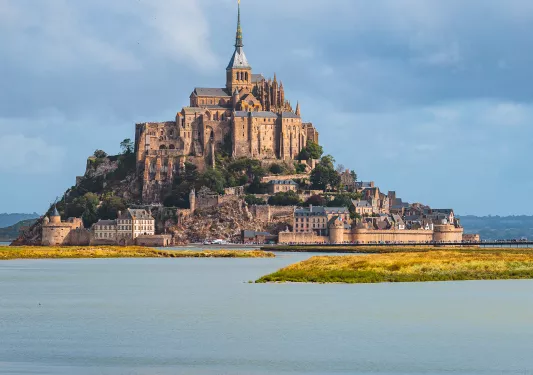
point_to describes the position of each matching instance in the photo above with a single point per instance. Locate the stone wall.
(447, 233)
(268, 213)
(364, 236)
(154, 241)
(301, 238)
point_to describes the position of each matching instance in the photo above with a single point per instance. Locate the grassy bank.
(409, 267)
(384, 249)
(28, 252)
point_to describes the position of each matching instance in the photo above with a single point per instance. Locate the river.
(202, 317)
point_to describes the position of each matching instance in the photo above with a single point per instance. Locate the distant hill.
(7, 220)
(499, 227)
(10, 233)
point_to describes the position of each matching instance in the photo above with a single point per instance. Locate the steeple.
(239, 71)
(238, 39)
(297, 108)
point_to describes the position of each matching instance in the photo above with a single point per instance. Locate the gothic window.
(237, 76)
(172, 147)
(162, 147)
(246, 76)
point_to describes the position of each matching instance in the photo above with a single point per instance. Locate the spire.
(297, 108)
(238, 60)
(55, 213)
(238, 39)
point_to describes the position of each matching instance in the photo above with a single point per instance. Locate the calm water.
(201, 317)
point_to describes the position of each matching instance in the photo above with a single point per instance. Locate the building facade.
(129, 225)
(249, 117)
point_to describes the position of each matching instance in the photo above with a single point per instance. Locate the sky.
(430, 98)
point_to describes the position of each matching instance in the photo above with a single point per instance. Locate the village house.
(316, 219)
(281, 186)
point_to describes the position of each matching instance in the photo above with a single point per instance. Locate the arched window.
(237, 76)
(171, 147)
(246, 76)
(162, 147)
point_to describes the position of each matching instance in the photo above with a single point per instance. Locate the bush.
(253, 200)
(276, 169)
(289, 198)
(315, 200)
(99, 154)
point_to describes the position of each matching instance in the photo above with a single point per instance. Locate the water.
(201, 317)
(4, 243)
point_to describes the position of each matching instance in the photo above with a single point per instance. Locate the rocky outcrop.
(226, 221)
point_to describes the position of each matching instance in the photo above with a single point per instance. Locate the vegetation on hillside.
(409, 267)
(12, 232)
(7, 220)
(33, 252)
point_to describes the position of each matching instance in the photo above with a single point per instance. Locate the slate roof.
(105, 222)
(283, 182)
(238, 60)
(320, 211)
(361, 203)
(259, 114)
(257, 78)
(200, 91)
(289, 115)
(55, 213)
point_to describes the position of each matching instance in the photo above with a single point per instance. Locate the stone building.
(281, 186)
(63, 233)
(316, 219)
(249, 117)
(129, 225)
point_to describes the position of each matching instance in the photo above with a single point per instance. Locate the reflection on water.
(202, 317)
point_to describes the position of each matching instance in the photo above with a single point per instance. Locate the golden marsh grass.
(66, 252)
(409, 267)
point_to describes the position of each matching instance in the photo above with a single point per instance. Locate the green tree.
(276, 169)
(100, 154)
(214, 180)
(127, 146)
(90, 203)
(315, 150)
(324, 176)
(289, 198)
(110, 207)
(300, 168)
(315, 200)
(253, 200)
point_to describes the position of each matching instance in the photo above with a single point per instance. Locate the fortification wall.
(364, 236)
(448, 233)
(79, 237)
(154, 241)
(301, 238)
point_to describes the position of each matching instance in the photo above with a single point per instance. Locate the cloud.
(29, 155)
(60, 33)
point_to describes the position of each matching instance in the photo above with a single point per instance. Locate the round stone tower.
(55, 218)
(336, 231)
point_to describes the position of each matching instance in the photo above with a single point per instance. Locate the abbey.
(249, 117)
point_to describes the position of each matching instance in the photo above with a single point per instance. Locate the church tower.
(238, 72)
